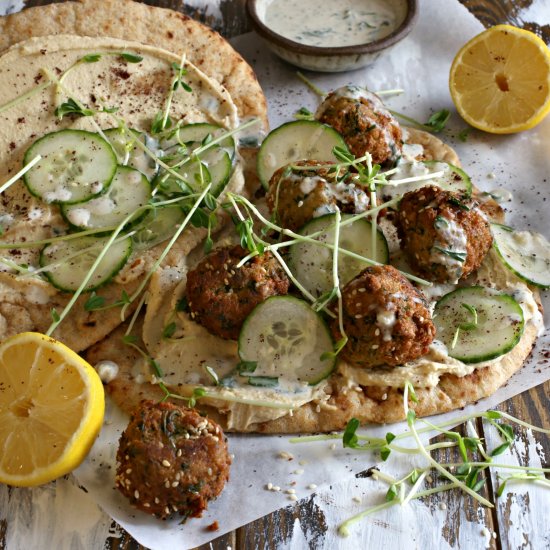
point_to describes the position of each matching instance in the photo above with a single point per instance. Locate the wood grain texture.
(277, 529)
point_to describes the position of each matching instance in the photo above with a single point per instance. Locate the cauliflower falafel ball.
(171, 460)
(364, 123)
(445, 236)
(386, 319)
(299, 195)
(221, 295)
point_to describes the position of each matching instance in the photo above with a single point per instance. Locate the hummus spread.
(38, 75)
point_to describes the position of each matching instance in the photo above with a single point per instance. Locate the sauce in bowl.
(335, 23)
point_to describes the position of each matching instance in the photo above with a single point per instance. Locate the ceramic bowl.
(327, 59)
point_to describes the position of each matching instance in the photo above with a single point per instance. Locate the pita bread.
(28, 305)
(369, 404)
(135, 21)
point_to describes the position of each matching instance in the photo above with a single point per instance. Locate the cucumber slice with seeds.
(525, 253)
(129, 191)
(214, 165)
(477, 323)
(194, 134)
(75, 167)
(73, 260)
(297, 140)
(453, 179)
(158, 225)
(312, 264)
(286, 339)
(130, 154)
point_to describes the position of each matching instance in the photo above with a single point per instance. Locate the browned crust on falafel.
(221, 295)
(171, 460)
(377, 296)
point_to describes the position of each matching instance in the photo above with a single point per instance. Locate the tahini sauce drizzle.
(334, 24)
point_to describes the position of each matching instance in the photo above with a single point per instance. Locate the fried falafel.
(385, 318)
(171, 460)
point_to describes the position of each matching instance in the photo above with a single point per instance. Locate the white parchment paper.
(521, 164)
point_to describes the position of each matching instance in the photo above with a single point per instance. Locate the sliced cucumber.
(213, 165)
(158, 225)
(193, 135)
(312, 264)
(75, 167)
(453, 178)
(297, 140)
(286, 339)
(477, 323)
(525, 253)
(73, 260)
(129, 154)
(129, 191)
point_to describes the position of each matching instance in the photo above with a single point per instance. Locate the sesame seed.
(226, 282)
(166, 510)
(312, 486)
(442, 506)
(292, 497)
(362, 290)
(167, 484)
(276, 488)
(166, 464)
(333, 446)
(429, 479)
(146, 505)
(178, 454)
(303, 462)
(358, 316)
(290, 491)
(174, 507)
(178, 476)
(157, 500)
(318, 409)
(375, 346)
(186, 436)
(214, 437)
(286, 455)
(384, 397)
(209, 471)
(377, 332)
(175, 483)
(298, 472)
(129, 471)
(356, 499)
(136, 494)
(269, 486)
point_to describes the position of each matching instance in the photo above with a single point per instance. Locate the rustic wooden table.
(277, 530)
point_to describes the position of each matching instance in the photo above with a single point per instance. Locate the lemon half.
(500, 80)
(51, 409)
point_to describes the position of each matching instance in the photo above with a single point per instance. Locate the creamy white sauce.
(334, 24)
(452, 238)
(107, 370)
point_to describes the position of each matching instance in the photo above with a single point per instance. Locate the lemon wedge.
(51, 409)
(500, 80)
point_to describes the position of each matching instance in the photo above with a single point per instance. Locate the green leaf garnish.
(91, 58)
(385, 453)
(70, 107)
(55, 315)
(131, 57)
(129, 339)
(94, 302)
(438, 120)
(459, 203)
(182, 305)
(304, 114)
(349, 438)
(169, 330)
(392, 493)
